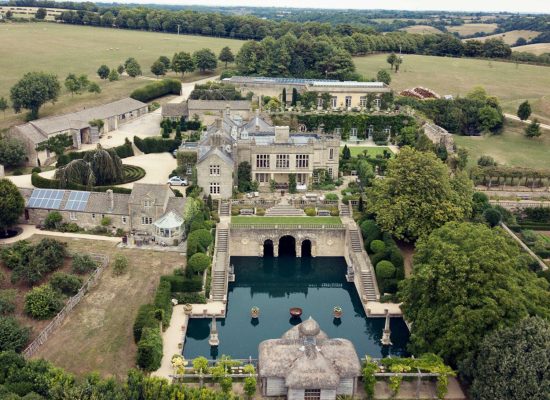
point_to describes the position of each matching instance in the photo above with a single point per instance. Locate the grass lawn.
(509, 148)
(373, 151)
(62, 49)
(97, 335)
(511, 83)
(243, 219)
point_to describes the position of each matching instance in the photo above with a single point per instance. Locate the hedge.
(198, 262)
(145, 319)
(385, 269)
(157, 89)
(180, 283)
(44, 183)
(163, 301)
(198, 241)
(149, 352)
(192, 298)
(377, 246)
(123, 151)
(156, 144)
(370, 232)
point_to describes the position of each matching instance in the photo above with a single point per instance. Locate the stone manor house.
(273, 152)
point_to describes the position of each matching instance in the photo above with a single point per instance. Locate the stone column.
(275, 250)
(298, 249)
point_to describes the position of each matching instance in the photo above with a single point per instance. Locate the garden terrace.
(237, 221)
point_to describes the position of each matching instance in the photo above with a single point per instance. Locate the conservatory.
(169, 229)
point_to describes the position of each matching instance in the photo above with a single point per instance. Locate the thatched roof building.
(306, 364)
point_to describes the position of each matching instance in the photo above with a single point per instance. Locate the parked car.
(177, 181)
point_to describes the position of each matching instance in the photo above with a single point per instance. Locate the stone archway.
(306, 248)
(268, 248)
(287, 246)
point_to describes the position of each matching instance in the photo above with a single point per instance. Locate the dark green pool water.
(277, 284)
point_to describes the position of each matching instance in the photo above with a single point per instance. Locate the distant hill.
(512, 36)
(470, 29)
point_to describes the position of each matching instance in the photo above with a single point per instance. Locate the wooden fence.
(32, 348)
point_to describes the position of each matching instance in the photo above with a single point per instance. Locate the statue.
(214, 339)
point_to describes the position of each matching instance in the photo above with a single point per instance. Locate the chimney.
(257, 120)
(227, 110)
(282, 134)
(219, 123)
(111, 199)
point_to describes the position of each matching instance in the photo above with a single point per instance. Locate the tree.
(113, 76)
(41, 13)
(158, 68)
(132, 67)
(103, 71)
(166, 61)
(490, 119)
(244, 176)
(120, 264)
(120, 69)
(397, 63)
(198, 263)
(513, 363)
(182, 62)
(12, 152)
(93, 87)
(492, 216)
(418, 195)
(12, 204)
(365, 173)
(9, 14)
(533, 129)
(283, 97)
(33, 91)
(43, 302)
(3, 105)
(383, 76)
(391, 60)
(75, 84)
(346, 153)
(524, 110)
(486, 161)
(468, 280)
(205, 60)
(226, 56)
(12, 336)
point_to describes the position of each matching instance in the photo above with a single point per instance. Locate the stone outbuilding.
(206, 110)
(304, 364)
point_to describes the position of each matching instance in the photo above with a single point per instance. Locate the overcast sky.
(540, 6)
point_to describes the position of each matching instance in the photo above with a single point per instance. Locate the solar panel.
(77, 201)
(46, 198)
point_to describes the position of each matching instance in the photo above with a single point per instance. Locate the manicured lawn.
(243, 219)
(509, 148)
(372, 151)
(97, 335)
(511, 83)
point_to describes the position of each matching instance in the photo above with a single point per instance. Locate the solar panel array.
(77, 201)
(46, 198)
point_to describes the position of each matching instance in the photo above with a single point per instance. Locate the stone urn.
(254, 312)
(187, 309)
(337, 311)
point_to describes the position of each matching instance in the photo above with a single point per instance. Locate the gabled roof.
(169, 220)
(218, 105)
(214, 151)
(174, 109)
(159, 193)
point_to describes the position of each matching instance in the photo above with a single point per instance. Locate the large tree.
(524, 110)
(514, 363)
(132, 67)
(3, 105)
(103, 71)
(468, 280)
(182, 62)
(533, 129)
(12, 152)
(383, 76)
(226, 56)
(418, 195)
(33, 91)
(11, 204)
(205, 60)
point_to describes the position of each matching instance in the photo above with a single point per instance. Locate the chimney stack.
(282, 134)
(111, 199)
(219, 123)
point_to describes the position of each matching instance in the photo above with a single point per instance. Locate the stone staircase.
(225, 208)
(218, 290)
(368, 280)
(345, 210)
(284, 210)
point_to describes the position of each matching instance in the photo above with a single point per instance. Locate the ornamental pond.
(275, 285)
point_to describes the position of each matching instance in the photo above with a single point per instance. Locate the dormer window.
(148, 203)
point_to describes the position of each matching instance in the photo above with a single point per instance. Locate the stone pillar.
(275, 250)
(298, 249)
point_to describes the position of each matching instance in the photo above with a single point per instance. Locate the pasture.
(470, 29)
(511, 37)
(62, 49)
(422, 29)
(511, 147)
(537, 48)
(511, 83)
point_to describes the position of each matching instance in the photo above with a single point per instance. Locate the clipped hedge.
(180, 283)
(156, 144)
(149, 351)
(145, 319)
(377, 246)
(385, 269)
(198, 263)
(157, 89)
(163, 301)
(370, 232)
(44, 183)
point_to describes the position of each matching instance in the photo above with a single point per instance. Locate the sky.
(531, 6)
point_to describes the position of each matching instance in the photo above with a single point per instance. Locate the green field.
(372, 151)
(242, 219)
(470, 29)
(511, 83)
(509, 148)
(62, 49)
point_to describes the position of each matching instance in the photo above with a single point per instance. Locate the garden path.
(30, 230)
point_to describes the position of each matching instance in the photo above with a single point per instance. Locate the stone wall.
(439, 136)
(249, 241)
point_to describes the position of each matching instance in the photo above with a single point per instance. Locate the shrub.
(125, 150)
(156, 144)
(191, 298)
(163, 301)
(145, 319)
(310, 211)
(149, 351)
(260, 212)
(48, 255)
(198, 241)
(66, 283)
(198, 263)
(334, 212)
(16, 254)
(180, 283)
(385, 269)
(13, 337)
(120, 264)
(36, 170)
(331, 197)
(157, 89)
(492, 216)
(7, 301)
(83, 263)
(106, 221)
(377, 246)
(198, 224)
(370, 232)
(43, 302)
(53, 219)
(69, 227)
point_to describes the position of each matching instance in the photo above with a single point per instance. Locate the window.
(353, 132)
(363, 101)
(262, 178)
(312, 394)
(330, 172)
(348, 101)
(331, 154)
(334, 101)
(262, 161)
(93, 216)
(377, 102)
(319, 102)
(387, 130)
(124, 220)
(72, 216)
(146, 220)
(283, 161)
(214, 188)
(214, 170)
(148, 203)
(338, 131)
(302, 161)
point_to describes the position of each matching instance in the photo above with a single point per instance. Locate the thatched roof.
(307, 359)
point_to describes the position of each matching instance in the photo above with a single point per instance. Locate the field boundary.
(43, 336)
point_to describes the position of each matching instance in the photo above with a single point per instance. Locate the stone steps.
(282, 210)
(345, 210)
(219, 269)
(367, 275)
(356, 243)
(225, 209)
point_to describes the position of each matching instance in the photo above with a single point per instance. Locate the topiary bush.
(43, 302)
(385, 269)
(310, 211)
(83, 263)
(370, 232)
(198, 263)
(377, 246)
(145, 319)
(67, 284)
(198, 241)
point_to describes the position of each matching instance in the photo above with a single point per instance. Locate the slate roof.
(218, 105)
(99, 203)
(174, 110)
(159, 193)
(216, 151)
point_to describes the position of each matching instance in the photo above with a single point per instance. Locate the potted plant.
(337, 311)
(254, 312)
(187, 308)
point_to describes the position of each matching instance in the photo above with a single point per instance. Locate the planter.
(254, 312)
(337, 312)
(295, 312)
(187, 309)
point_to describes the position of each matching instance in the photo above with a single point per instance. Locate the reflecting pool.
(275, 285)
